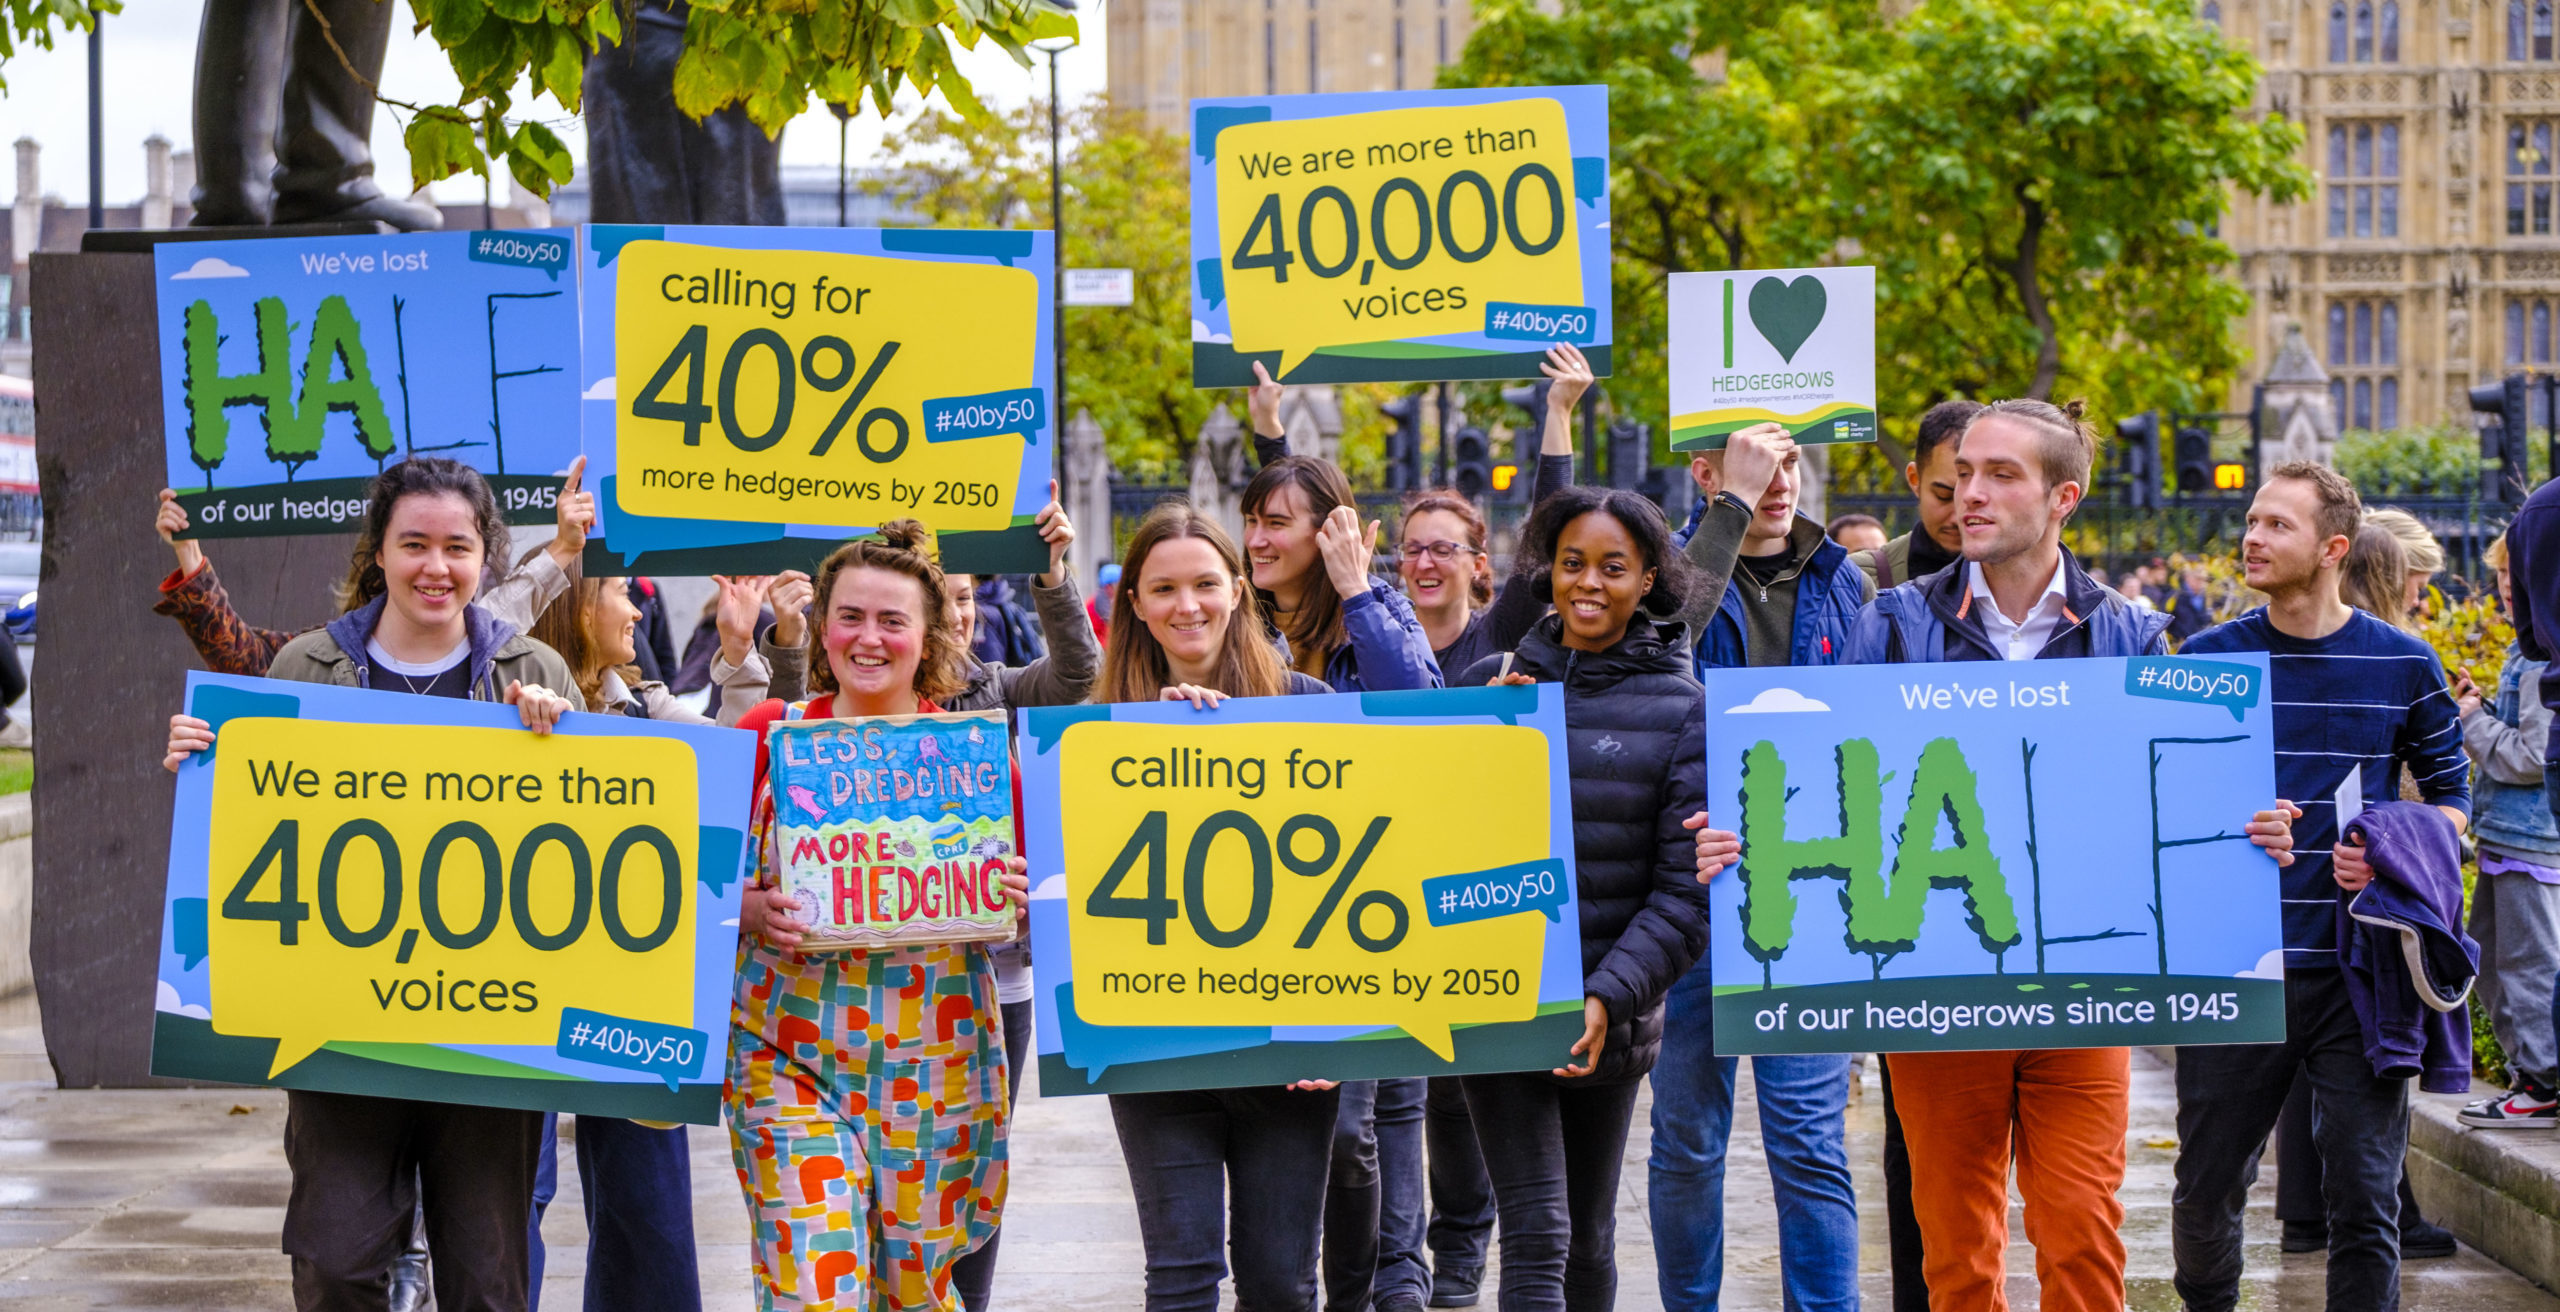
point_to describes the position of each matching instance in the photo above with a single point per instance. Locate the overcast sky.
(150, 76)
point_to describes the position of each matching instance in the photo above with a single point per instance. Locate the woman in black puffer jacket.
(1634, 722)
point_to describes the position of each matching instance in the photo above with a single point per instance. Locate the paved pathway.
(173, 1199)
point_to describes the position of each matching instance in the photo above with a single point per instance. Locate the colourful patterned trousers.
(866, 1103)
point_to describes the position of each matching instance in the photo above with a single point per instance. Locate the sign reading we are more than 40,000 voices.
(416, 897)
(1260, 894)
(755, 395)
(1406, 236)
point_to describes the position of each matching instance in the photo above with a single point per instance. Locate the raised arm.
(1066, 674)
(194, 597)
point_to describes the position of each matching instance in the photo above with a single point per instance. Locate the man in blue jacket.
(1774, 591)
(2016, 595)
(2356, 700)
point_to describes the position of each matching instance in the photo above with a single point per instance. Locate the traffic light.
(2502, 439)
(1404, 443)
(1471, 463)
(1526, 435)
(2138, 455)
(2194, 457)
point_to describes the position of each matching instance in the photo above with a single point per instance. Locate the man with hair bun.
(2060, 1114)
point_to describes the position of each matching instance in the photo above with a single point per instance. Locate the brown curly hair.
(421, 476)
(901, 546)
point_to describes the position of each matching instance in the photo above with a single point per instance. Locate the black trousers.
(2299, 1196)
(1258, 1156)
(360, 1168)
(1554, 1152)
(2228, 1099)
(974, 1275)
(1461, 1193)
(1902, 1224)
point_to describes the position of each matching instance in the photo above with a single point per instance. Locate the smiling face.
(1436, 584)
(1186, 597)
(431, 557)
(875, 636)
(960, 605)
(2004, 506)
(1280, 539)
(612, 622)
(1600, 576)
(2283, 550)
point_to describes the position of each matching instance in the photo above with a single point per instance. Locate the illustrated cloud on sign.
(2270, 966)
(209, 267)
(1772, 701)
(1200, 333)
(169, 1001)
(599, 390)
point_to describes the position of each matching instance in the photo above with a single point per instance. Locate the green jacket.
(334, 653)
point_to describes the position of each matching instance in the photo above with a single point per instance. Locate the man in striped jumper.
(2355, 700)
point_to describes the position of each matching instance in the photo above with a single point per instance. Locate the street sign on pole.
(1097, 286)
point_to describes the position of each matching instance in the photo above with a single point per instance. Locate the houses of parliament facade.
(2427, 258)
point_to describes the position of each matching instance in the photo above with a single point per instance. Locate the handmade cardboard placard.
(1790, 346)
(1398, 236)
(893, 831)
(293, 370)
(416, 897)
(2025, 854)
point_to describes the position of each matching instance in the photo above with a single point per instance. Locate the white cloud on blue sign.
(211, 266)
(1777, 701)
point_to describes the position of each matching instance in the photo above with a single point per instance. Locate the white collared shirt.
(2018, 640)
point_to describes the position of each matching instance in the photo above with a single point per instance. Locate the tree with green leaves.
(2036, 181)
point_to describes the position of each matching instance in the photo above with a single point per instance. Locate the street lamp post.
(1058, 252)
(97, 126)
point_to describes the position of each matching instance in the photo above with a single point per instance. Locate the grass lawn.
(17, 770)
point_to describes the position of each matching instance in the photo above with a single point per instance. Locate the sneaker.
(2425, 1239)
(2306, 1236)
(1455, 1286)
(2526, 1108)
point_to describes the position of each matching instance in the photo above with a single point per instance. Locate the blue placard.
(2044, 854)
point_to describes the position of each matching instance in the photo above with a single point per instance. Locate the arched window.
(2364, 332)
(2338, 32)
(2542, 332)
(2542, 29)
(2515, 30)
(2211, 13)
(2364, 179)
(2387, 333)
(2515, 332)
(2338, 398)
(2529, 347)
(2364, 31)
(2390, 36)
(2364, 404)
(2338, 332)
(2387, 404)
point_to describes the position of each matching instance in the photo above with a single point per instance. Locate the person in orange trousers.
(2061, 1113)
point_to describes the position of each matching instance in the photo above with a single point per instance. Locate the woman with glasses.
(1446, 571)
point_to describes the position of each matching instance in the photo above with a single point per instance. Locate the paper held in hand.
(893, 831)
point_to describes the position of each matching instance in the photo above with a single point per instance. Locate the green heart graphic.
(1787, 312)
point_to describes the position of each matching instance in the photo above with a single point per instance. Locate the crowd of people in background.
(1401, 1194)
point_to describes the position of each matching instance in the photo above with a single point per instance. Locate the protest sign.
(1259, 893)
(415, 897)
(1791, 346)
(292, 370)
(2033, 854)
(1404, 236)
(893, 830)
(754, 396)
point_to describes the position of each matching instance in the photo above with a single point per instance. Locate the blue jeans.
(1373, 1209)
(637, 1184)
(1803, 1101)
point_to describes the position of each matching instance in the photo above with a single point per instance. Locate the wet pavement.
(173, 1199)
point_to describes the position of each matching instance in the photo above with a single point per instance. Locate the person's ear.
(2333, 553)
(2066, 499)
(1704, 473)
(1911, 475)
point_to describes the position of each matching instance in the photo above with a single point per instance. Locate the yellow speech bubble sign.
(792, 387)
(433, 884)
(1392, 225)
(1262, 874)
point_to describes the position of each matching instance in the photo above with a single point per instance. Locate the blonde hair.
(2373, 575)
(2495, 554)
(2420, 546)
(897, 547)
(1134, 667)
